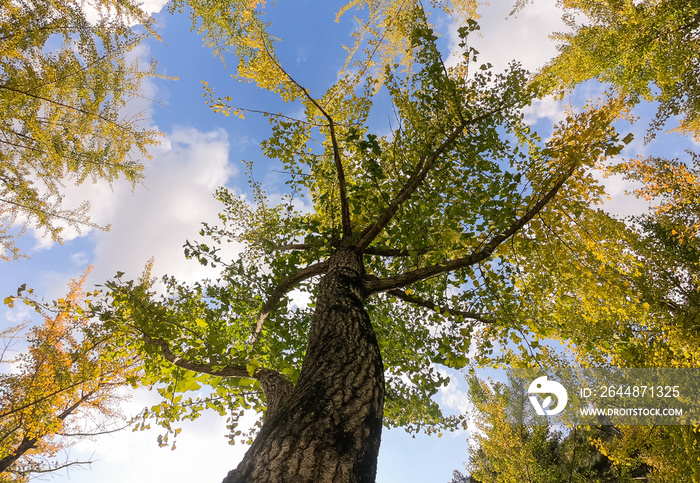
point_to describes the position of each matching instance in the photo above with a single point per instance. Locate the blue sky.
(202, 150)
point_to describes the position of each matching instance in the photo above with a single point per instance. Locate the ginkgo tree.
(514, 446)
(59, 390)
(646, 49)
(625, 295)
(68, 69)
(405, 231)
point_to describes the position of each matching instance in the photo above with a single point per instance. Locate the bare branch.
(285, 286)
(412, 299)
(278, 115)
(96, 433)
(340, 172)
(63, 466)
(401, 280)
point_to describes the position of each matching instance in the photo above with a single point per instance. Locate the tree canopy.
(612, 291)
(647, 50)
(68, 70)
(506, 450)
(452, 234)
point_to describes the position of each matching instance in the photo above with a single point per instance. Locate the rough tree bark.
(329, 430)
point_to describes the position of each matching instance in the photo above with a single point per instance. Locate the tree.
(458, 477)
(65, 82)
(404, 228)
(667, 246)
(526, 449)
(56, 391)
(647, 50)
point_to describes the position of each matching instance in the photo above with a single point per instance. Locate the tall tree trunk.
(330, 428)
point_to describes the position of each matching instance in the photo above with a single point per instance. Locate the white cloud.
(94, 10)
(525, 37)
(547, 108)
(153, 6)
(453, 396)
(158, 216)
(155, 218)
(621, 204)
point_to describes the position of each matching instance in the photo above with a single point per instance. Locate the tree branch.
(275, 386)
(340, 172)
(25, 445)
(96, 115)
(285, 286)
(401, 280)
(412, 299)
(96, 433)
(379, 251)
(298, 246)
(409, 188)
(396, 252)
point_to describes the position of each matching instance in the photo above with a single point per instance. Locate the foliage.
(383, 37)
(647, 49)
(65, 82)
(617, 293)
(431, 205)
(59, 389)
(509, 449)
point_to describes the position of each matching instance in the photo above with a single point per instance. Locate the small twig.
(412, 299)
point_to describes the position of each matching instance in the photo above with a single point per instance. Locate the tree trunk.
(330, 428)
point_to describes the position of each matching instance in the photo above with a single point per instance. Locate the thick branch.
(275, 386)
(298, 246)
(422, 170)
(28, 443)
(412, 299)
(25, 445)
(396, 252)
(379, 251)
(401, 280)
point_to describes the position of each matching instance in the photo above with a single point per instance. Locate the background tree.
(647, 50)
(404, 228)
(65, 80)
(614, 293)
(58, 391)
(510, 448)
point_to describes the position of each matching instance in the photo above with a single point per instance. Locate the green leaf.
(251, 367)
